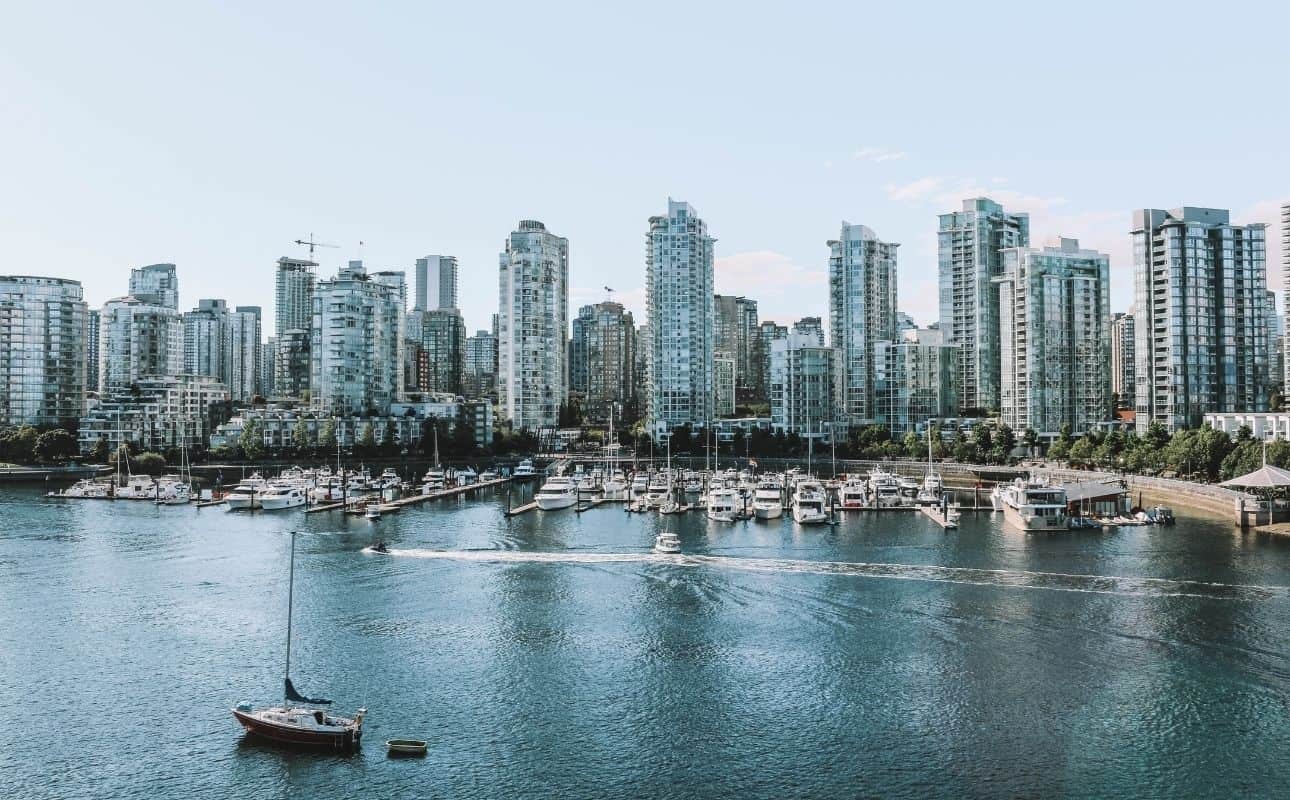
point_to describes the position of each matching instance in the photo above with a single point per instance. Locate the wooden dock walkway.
(934, 514)
(413, 499)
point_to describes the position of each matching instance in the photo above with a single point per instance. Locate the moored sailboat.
(300, 720)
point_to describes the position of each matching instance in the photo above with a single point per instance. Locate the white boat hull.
(805, 517)
(556, 502)
(279, 503)
(1028, 522)
(768, 511)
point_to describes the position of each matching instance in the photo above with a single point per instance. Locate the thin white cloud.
(879, 154)
(916, 190)
(785, 291)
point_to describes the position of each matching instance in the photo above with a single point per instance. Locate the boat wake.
(1016, 579)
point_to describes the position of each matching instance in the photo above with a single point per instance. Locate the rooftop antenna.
(609, 295)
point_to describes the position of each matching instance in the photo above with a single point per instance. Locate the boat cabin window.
(318, 717)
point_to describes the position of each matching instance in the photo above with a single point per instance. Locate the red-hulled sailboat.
(298, 720)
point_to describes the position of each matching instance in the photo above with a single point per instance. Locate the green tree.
(148, 463)
(101, 452)
(1081, 451)
(1031, 440)
(300, 437)
(251, 442)
(327, 435)
(367, 439)
(1059, 450)
(914, 446)
(55, 445)
(1005, 440)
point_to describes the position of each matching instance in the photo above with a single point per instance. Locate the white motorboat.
(853, 495)
(174, 493)
(557, 492)
(808, 503)
(723, 505)
(692, 482)
(525, 470)
(667, 542)
(277, 496)
(86, 487)
(1033, 505)
(640, 485)
(372, 512)
(616, 487)
(488, 476)
(466, 476)
(246, 495)
(433, 480)
(768, 500)
(884, 487)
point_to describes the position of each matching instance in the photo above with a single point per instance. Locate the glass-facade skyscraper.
(969, 244)
(862, 311)
(43, 361)
(532, 326)
(1200, 307)
(679, 298)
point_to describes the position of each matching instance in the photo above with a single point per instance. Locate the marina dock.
(416, 498)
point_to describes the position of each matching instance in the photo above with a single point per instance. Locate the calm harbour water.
(554, 655)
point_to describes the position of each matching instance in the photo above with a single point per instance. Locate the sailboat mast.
(291, 585)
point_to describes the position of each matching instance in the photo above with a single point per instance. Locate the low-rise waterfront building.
(156, 413)
(403, 424)
(1263, 425)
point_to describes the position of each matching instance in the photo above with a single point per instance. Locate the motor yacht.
(246, 495)
(433, 480)
(279, 496)
(808, 503)
(525, 470)
(1033, 505)
(768, 499)
(640, 485)
(668, 543)
(86, 487)
(616, 487)
(723, 505)
(466, 476)
(488, 476)
(557, 492)
(884, 487)
(853, 495)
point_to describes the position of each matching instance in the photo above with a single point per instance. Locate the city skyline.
(222, 199)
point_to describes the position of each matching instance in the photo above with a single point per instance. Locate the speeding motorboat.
(667, 542)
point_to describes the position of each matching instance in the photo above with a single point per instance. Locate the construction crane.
(312, 244)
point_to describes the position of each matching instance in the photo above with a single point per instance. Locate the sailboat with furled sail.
(300, 720)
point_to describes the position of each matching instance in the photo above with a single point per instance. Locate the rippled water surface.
(556, 655)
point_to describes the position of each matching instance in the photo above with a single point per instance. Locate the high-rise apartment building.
(678, 288)
(767, 332)
(810, 326)
(735, 336)
(293, 305)
(1054, 337)
(802, 376)
(1285, 293)
(439, 337)
(206, 339)
(436, 283)
(532, 326)
(862, 311)
(603, 357)
(915, 380)
(480, 378)
(1200, 300)
(268, 356)
(245, 353)
(92, 350)
(1123, 361)
(155, 284)
(42, 351)
(138, 340)
(969, 244)
(356, 343)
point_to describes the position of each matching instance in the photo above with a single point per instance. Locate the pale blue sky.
(212, 135)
